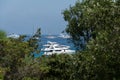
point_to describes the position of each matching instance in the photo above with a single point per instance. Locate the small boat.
(13, 35)
(37, 38)
(64, 36)
(53, 47)
(50, 37)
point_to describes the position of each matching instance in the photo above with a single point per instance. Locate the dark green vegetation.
(98, 21)
(15, 54)
(91, 18)
(2, 34)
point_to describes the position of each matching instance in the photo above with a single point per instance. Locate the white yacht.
(50, 36)
(13, 35)
(53, 47)
(64, 36)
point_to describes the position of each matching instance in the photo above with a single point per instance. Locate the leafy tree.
(13, 52)
(88, 17)
(59, 67)
(75, 16)
(100, 60)
(34, 41)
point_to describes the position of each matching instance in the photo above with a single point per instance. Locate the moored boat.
(53, 47)
(13, 35)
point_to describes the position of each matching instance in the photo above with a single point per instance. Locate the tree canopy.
(13, 53)
(89, 17)
(98, 21)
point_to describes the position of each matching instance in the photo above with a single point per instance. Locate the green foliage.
(59, 67)
(2, 34)
(75, 16)
(100, 60)
(34, 41)
(1, 73)
(89, 17)
(13, 52)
